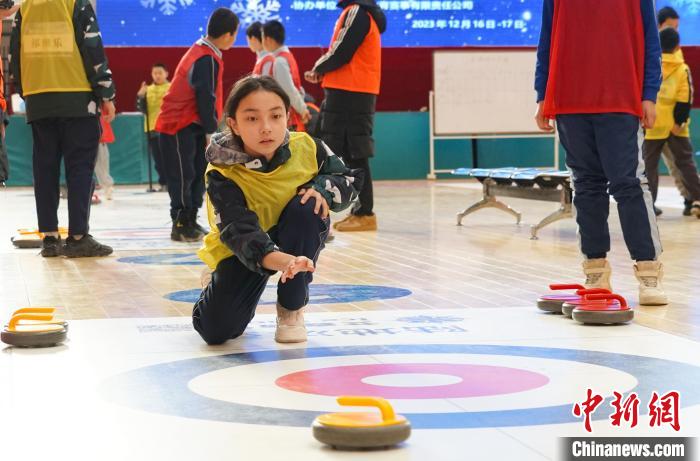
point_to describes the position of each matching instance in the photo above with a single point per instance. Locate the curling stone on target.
(32, 238)
(594, 312)
(552, 302)
(34, 330)
(353, 430)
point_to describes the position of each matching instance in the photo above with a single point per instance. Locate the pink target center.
(413, 380)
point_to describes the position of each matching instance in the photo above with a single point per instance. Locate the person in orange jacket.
(350, 74)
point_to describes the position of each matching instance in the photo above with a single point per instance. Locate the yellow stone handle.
(378, 402)
(34, 310)
(16, 319)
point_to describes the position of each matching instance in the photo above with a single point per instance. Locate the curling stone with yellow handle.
(39, 310)
(362, 430)
(32, 238)
(33, 330)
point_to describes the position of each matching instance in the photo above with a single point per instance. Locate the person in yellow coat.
(672, 121)
(268, 194)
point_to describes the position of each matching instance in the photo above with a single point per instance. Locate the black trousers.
(347, 125)
(75, 140)
(682, 152)
(157, 155)
(228, 303)
(185, 164)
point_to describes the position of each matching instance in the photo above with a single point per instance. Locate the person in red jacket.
(350, 74)
(190, 113)
(599, 81)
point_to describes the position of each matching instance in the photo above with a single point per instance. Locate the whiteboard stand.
(434, 137)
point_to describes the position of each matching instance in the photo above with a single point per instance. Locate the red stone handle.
(566, 286)
(601, 297)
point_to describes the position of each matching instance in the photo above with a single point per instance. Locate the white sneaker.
(649, 274)
(597, 272)
(290, 326)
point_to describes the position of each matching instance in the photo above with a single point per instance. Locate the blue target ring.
(163, 388)
(169, 259)
(319, 293)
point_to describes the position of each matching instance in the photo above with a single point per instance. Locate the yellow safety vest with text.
(50, 60)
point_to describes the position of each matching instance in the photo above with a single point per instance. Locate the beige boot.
(649, 274)
(290, 326)
(597, 272)
(355, 223)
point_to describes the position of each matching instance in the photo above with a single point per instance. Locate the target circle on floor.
(259, 387)
(319, 293)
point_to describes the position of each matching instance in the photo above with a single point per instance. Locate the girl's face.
(261, 121)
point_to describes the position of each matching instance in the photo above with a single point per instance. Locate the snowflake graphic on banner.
(167, 7)
(256, 10)
(693, 6)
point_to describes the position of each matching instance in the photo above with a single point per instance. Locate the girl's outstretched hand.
(296, 265)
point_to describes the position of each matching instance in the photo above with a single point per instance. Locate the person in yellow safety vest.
(4, 163)
(149, 100)
(350, 75)
(269, 192)
(60, 68)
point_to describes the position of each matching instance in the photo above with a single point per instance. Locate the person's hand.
(306, 117)
(543, 123)
(649, 114)
(296, 265)
(6, 13)
(321, 204)
(108, 111)
(676, 130)
(2, 130)
(142, 90)
(312, 77)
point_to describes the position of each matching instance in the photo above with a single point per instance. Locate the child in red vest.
(280, 64)
(598, 81)
(253, 36)
(190, 113)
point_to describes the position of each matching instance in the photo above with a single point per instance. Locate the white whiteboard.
(484, 92)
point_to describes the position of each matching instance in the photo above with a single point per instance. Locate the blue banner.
(311, 22)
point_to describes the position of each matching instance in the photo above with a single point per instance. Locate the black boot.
(86, 247)
(51, 247)
(183, 229)
(687, 206)
(195, 224)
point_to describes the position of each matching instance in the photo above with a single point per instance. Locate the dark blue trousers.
(228, 303)
(74, 140)
(604, 154)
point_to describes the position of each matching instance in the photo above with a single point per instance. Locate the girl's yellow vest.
(49, 57)
(266, 194)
